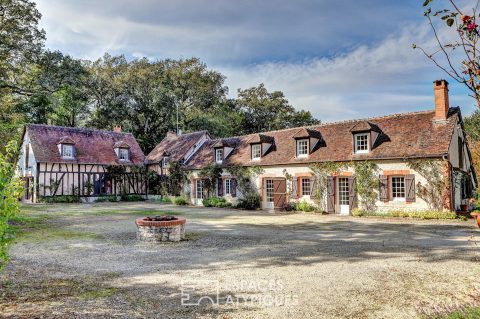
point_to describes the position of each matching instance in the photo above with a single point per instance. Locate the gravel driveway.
(87, 263)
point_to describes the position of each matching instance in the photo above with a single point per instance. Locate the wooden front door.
(275, 190)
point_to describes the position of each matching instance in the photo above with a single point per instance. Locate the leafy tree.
(464, 45)
(11, 188)
(21, 42)
(265, 111)
(472, 125)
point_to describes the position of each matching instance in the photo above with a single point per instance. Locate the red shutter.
(330, 195)
(410, 188)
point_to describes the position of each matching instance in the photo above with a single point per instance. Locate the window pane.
(343, 191)
(67, 150)
(199, 188)
(219, 155)
(269, 190)
(306, 189)
(123, 154)
(398, 187)
(361, 142)
(302, 147)
(256, 151)
(228, 186)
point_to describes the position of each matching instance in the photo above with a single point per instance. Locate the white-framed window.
(123, 154)
(306, 187)
(302, 147)
(199, 188)
(398, 187)
(165, 161)
(269, 191)
(67, 151)
(361, 143)
(218, 155)
(256, 151)
(227, 186)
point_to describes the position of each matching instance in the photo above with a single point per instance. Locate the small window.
(218, 155)
(398, 187)
(165, 161)
(302, 147)
(361, 143)
(123, 154)
(199, 188)
(228, 186)
(67, 151)
(256, 151)
(306, 187)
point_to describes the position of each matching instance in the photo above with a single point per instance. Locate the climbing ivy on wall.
(432, 191)
(321, 172)
(209, 175)
(366, 182)
(245, 177)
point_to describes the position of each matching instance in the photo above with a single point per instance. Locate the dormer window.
(219, 155)
(256, 151)
(165, 161)
(67, 151)
(302, 148)
(362, 143)
(123, 154)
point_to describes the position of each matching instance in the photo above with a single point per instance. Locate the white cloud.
(386, 78)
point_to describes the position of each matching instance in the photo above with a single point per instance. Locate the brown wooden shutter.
(299, 187)
(194, 188)
(352, 194)
(233, 187)
(330, 195)
(294, 188)
(410, 188)
(219, 187)
(384, 188)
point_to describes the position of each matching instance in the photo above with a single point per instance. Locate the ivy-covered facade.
(409, 161)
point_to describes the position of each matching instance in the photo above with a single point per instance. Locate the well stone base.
(157, 231)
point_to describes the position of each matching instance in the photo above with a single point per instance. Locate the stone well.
(160, 228)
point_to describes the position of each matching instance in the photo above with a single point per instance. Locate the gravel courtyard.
(84, 262)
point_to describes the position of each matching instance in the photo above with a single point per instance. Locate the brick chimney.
(440, 90)
(117, 129)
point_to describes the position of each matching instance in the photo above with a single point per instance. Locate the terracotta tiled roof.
(121, 144)
(404, 135)
(91, 146)
(176, 146)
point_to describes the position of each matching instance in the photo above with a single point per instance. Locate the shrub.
(60, 199)
(289, 207)
(165, 200)
(249, 202)
(425, 214)
(131, 198)
(215, 201)
(304, 206)
(106, 198)
(358, 212)
(180, 200)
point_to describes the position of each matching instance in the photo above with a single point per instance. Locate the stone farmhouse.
(56, 161)
(286, 156)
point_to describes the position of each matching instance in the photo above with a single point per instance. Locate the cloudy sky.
(338, 59)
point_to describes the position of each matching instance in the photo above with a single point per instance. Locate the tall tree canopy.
(265, 111)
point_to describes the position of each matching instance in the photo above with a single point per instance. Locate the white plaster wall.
(282, 170)
(21, 165)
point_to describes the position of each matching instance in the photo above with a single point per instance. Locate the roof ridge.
(77, 128)
(334, 123)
